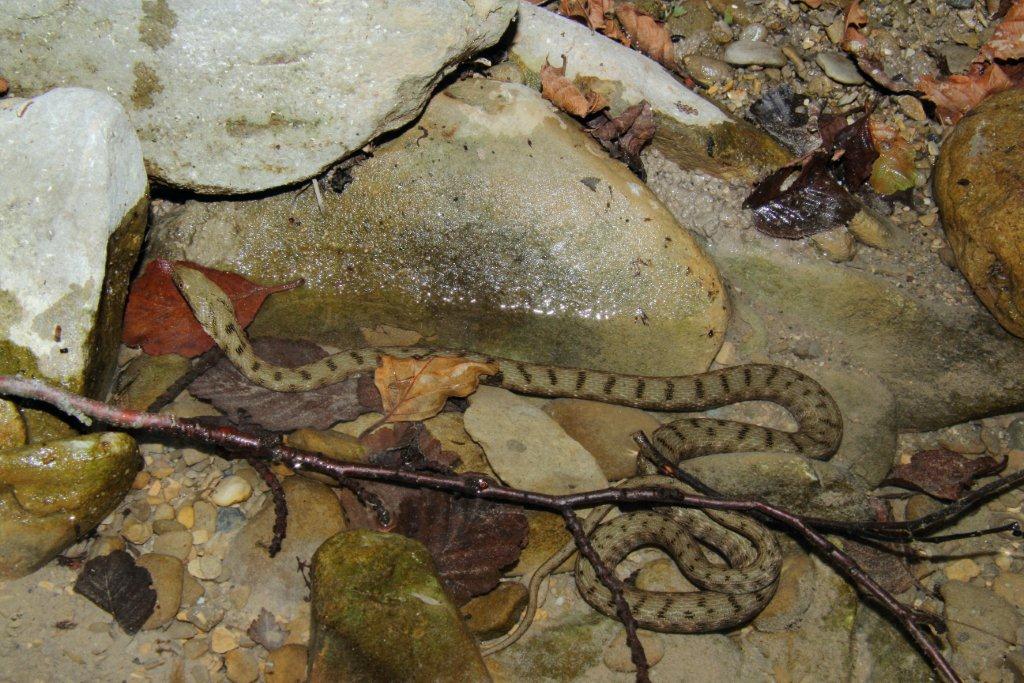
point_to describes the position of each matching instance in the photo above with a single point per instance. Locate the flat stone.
(314, 515)
(230, 491)
(526, 262)
(52, 493)
(320, 85)
(839, 68)
(605, 430)
(749, 52)
(167, 573)
(380, 613)
(174, 543)
(691, 130)
(982, 625)
(73, 200)
(982, 212)
(526, 448)
(242, 666)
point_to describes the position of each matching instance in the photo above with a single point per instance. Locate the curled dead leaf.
(942, 473)
(1007, 41)
(648, 35)
(566, 95)
(960, 93)
(414, 389)
(895, 169)
(625, 136)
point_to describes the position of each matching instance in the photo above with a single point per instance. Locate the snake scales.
(730, 594)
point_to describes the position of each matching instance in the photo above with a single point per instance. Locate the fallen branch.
(252, 447)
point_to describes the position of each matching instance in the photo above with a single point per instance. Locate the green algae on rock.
(978, 179)
(495, 224)
(379, 613)
(53, 493)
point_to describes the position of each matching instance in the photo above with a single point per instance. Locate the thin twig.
(613, 584)
(249, 447)
(280, 504)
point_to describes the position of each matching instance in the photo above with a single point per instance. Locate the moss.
(561, 653)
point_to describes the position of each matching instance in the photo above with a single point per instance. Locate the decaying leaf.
(852, 145)
(119, 586)
(414, 389)
(566, 95)
(625, 136)
(894, 170)
(158, 318)
(812, 203)
(647, 34)
(959, 93)
(245, 403)
(597, 15)
(1007, 41)
(265, 631)
(941, 473)
(470, 540)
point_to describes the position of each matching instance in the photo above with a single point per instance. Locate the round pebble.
(186, 516)
(176, 543)
(166, 573)
(839, 68)
(229, 519)
(750, 53)
(231, 490)
(136, 532)
(707, 70)
(962, 570)
(223, 639)
(242, 666)
(206, 567)
(754, 33)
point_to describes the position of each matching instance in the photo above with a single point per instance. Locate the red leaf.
(1007, 42)
(941, 473)
(159, 320)
(958, 94)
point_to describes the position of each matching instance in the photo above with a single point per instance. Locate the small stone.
(162, 513)
(963, 569)
(231, 490)
(229, 519)
(835, 30)
(191, 456)
(242, 666)
(839, 68)
(837, 245)
(205, 516)
(141, 480)
(186, 516)
(754, 33)
(104, 545)
(617, 656)
(166, 572)
(287, 664)
(206, 567)
(960, 4)
(136, 532)
(166, 526)
(176, 543)
(223, 639)
(874, 230)
(752, 53)
(912, 107)
(203, 615)
(200, 536)
(191, 590)
(196, 648)
(495, 613)
(707, 70)
(921, 505)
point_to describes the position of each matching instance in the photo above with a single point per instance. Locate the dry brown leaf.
(942, 473)
(648, 34)
(1007, 42)
(959, 93)
(565, 94)
(414, 389)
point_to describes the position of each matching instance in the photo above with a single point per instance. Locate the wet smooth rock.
(535, 259)
(495, 613)
(52, 493)
(605, 430)
(754, 53)
(234, 97)
(691, 130)
(839, 68)
(977, 191)
(231, 490)
(380, 613)
(707, 70)
(73, 199)
(526, 448)
(314, 515)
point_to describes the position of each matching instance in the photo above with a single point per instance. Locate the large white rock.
(73, 200)
(692, 131)
(236, 96)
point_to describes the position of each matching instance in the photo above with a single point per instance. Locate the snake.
(727, 596)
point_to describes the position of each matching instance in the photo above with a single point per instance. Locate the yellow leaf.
(414, 389)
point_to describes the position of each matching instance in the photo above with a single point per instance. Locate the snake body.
(730, 595)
